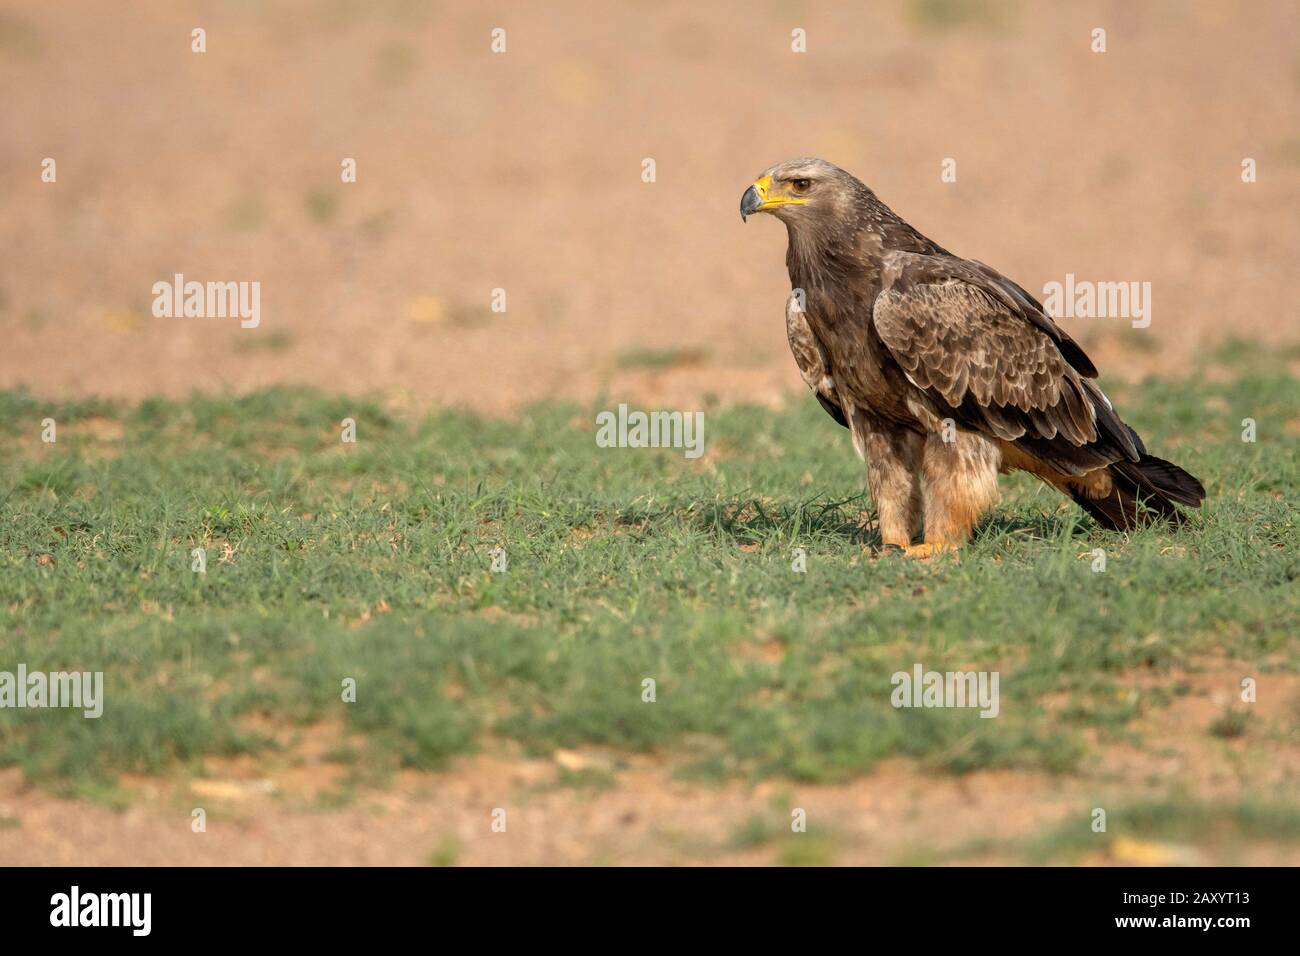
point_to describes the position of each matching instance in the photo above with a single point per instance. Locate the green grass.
(371, 562)
(943, 15)
(1164, 827)
(811, 847)
(1182, 821)
(444, 854)
(641, 357)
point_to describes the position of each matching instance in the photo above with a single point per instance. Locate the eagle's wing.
(814, 365)
(987, 355)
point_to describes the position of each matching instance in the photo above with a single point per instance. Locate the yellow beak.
(763, 196)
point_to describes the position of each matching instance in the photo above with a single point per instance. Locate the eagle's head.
(800, 191)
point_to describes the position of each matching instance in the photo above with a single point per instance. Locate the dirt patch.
(648, 817)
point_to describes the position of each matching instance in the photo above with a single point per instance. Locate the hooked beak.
(762, 196)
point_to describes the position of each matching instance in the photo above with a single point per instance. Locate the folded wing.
(986, 354)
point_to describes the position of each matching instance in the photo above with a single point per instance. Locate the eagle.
(945, 372)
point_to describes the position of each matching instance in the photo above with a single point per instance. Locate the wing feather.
(982, 346)
(810, 357)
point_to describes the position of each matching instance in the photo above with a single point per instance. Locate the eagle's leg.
(961, 484)
(893, 457)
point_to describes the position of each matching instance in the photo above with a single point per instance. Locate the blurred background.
(522, 171)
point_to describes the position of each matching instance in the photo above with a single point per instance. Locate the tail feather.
(1142, 490)
(1157, 476)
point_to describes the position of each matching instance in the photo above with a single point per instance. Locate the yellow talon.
(930, 549)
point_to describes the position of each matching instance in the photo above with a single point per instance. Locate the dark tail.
(1144, 490)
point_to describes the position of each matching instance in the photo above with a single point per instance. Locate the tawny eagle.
(944, 371)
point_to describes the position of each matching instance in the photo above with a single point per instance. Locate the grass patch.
(642, 357)
(1232, 723)
(812, 846)
(371, 562)
(445, 853)
(1170, 822)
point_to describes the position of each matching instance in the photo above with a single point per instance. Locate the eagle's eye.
(801, 185)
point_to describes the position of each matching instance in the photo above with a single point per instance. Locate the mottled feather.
(810, 357)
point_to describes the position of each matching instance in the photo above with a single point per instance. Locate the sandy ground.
(522, 171)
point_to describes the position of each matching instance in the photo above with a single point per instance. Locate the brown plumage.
(945, 371)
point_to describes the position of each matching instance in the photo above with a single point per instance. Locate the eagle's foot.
(924, 552)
